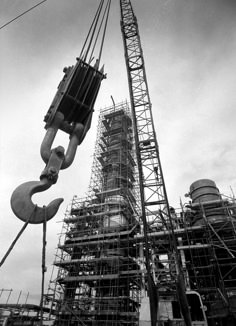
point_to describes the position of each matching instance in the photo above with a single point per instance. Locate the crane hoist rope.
(71, 111)
(100, 21)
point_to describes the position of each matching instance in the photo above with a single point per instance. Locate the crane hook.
(71, 112)
(26, 210)
(55, 159)
(21, 202)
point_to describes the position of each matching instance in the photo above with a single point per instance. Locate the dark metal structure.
(152, 186)
(154, 201)
(71, 111)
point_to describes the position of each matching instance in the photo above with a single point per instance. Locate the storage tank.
(204, 190)
(207, 204)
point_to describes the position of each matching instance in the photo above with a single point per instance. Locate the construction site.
(125, 256)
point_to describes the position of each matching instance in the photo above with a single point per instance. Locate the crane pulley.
(71, 111)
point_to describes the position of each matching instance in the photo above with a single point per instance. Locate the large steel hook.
(26, 210)
(55, 159)
(71, 111)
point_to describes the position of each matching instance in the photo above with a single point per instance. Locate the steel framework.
(152, 184)
(151, 181)
(100, 276)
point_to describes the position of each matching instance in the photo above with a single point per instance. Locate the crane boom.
(151, 176)
(152, 187)
(154, 201)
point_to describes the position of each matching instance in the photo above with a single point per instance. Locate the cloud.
(189, 50)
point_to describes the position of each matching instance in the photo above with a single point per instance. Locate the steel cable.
(17, 237)
(105, 28)
(25, 12)
(43, 263)
(91, 31)
(106, 12)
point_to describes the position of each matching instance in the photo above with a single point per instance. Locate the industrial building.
(102, 277)
(99, 264)
(125, 255)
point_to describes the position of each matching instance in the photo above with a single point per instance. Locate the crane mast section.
(151, 176)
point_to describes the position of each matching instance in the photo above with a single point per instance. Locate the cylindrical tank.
(206, 201)
(204, 190)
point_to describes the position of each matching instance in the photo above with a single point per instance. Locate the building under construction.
(102, 275)
(99, 265)
(125, 256)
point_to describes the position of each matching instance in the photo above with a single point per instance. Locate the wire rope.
(104, 32)
(22, 14)
(87, 37)
(43, 263)
(17, 237)
(95, 42)
(86, 51)
(106, 12)
(92, 31)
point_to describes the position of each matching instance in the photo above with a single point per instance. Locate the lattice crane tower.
(152, 187)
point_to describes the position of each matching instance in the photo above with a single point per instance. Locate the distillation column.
(99, 271)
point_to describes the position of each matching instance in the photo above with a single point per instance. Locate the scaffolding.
(209, 249)
(16, 311)
(206, 241)
(102, 276)
(100, 273)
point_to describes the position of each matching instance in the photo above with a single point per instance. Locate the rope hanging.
(43, 264)
(17, 237)
(100, 21)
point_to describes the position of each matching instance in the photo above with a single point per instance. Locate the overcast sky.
(190, 55)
